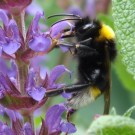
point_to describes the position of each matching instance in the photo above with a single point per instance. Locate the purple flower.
(14, 6)
(75, 10)
(10, 40)
(8, 68)
(90, 8)
(5, 130)
(38, 41)
(17, 128)
(13, 115)
(28, 129)
(55, 74)
(38, 64)
(59, 27)
(56, 31)
(54, 122)
(67, 127)
(53, 117)
(37, 90)
(3, 85)
(34, 5)
(15, 118)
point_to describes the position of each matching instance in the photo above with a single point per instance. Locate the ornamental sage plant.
(23, 83)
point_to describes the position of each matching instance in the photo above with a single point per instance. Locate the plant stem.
(23, 67)
(29, 118)
(20, 23)
(22, 75)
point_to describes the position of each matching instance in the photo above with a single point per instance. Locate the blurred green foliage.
(123, 13)
(122, 81)
(112, 125)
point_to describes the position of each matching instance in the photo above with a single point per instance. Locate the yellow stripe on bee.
(94, 92)
(106, 32)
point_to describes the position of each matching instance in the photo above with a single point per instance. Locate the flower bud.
(14, 6)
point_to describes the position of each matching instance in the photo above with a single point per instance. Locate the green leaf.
(125, 77)
(124, 23)
(112, 125)
(129, 111)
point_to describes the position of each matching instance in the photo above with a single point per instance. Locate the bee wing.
(108, 85)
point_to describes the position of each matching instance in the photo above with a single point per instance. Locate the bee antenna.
(66, 20)
(55, 15)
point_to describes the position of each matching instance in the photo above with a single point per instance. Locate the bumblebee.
(95, 50)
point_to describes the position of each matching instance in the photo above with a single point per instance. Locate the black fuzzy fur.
(90, 62)
(92, 70)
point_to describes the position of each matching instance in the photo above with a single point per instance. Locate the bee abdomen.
(83, 98)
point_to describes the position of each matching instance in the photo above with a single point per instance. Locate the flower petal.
(11, 114)
(37, 93)
(34, 5)
(59, 27)
(1, 51)
(2, 111)
(64, 49)
(56, 73)
(3, 66)
(31, 78)
(4, 17)
(6, 130)
(90, 8)
(1, 124)
(68, 127)
(53, 117)
(11, 47)
(28, 129)
(3, 82)
(75, 10)
(66, 95)
(2, 36)
(33, 29)
(14, 28)
(43, 72)
(37, 61)
(36, 21)
(40, 44)
(12, 72)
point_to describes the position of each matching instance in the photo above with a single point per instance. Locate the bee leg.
(66, 30)
(107, 103)
(68, 36)
(69, 113)
(86, 40)
(67, 89)
(83, 50)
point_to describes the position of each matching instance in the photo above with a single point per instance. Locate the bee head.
(86, 28)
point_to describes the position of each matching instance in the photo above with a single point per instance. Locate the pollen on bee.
(77, 45)
(94, 92)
